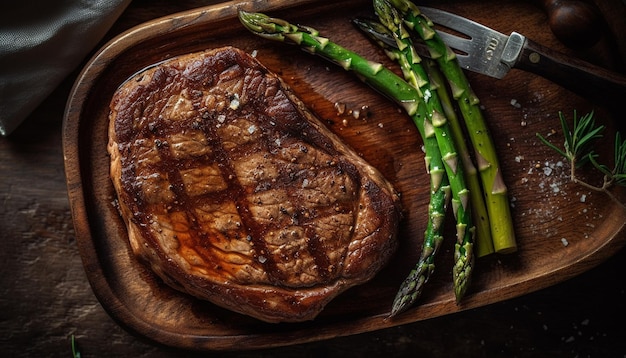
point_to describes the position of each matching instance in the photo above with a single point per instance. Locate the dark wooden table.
(46, 298)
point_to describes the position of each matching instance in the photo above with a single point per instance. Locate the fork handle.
(590, 81)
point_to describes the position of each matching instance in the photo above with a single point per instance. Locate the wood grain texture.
(46, 296)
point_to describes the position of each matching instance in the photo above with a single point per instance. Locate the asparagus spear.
(395, 88)
(380, 34)
(483, 245)
(495, 190)
(416, 74)
(411, 288)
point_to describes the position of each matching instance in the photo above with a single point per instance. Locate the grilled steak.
(233, 191)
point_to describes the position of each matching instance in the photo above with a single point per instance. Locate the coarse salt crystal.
(427, 95)
(564, 241)
(547, 171)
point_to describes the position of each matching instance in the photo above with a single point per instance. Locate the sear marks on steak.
(233, 191)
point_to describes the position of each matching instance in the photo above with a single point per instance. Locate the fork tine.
(481, 52)
(455, 22)
(456, 42)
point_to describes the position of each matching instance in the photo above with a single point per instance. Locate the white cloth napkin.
(41, 42)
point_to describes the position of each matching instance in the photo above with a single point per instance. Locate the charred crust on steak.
(234, 192)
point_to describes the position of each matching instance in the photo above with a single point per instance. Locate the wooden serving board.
(562, 229)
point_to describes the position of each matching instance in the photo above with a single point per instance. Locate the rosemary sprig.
(578, 149)
(618, 174)
(75, 351)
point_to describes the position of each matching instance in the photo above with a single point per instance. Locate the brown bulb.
(576, 23)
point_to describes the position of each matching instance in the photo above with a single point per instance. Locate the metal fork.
(492, 53)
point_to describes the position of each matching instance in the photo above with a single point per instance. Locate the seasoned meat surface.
(232, 191)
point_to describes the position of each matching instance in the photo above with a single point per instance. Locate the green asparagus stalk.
(416, 74)
(483, 245)
(411, 288)
(395, 88)
(372, 73)
(383, 37)
(495, 190)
